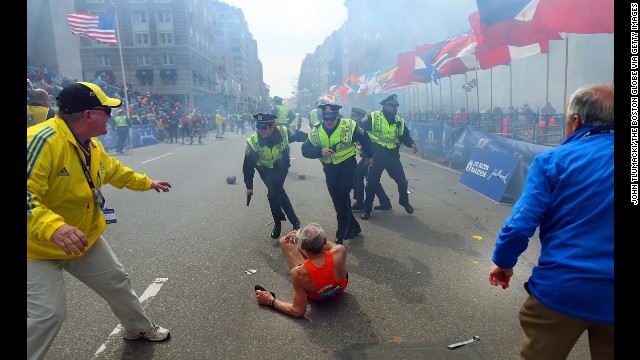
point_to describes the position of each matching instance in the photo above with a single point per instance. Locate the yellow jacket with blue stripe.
(58, 192)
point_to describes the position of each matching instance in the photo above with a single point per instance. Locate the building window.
(139, 16)
(168, 76)
(235, 49)
(144, 60)
(164, 16)
(165, 38)
(141, 38)
(145, 77)
(103, 60)
(167, 59)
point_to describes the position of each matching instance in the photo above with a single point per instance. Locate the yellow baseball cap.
(82, 96)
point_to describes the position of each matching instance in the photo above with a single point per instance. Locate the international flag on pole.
(509, 23)
(100, 27)
(574, 16)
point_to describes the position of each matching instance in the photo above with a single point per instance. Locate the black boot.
(277, 228)
(408, 208)
(357, 206)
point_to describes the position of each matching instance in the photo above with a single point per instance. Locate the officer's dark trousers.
(278, 199)
(123, 133)
(339, 178)
(390, 161)
(358, 185)
(240, 126)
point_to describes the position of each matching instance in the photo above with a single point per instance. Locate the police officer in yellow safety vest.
(333, 142)
(297, 122)
(268, 152)
(387, 131)
(360, 116)
(122, 125)
(284, 116)
(239, 123)
(314, 117)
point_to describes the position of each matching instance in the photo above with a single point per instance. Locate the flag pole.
(566, 65)
(416, 94)
(431, 92)
(477, 92)
(510, 87)
(546, 104)
(491, 91)
(124, 80)
(440, 87)
(466, 92)
(451, 94)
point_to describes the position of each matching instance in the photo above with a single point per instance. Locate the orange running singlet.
(324, 279)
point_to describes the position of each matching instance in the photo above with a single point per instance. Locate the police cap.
(358, 111)
(391, 100)
(262, 118)
(277, 99)
(329, 111)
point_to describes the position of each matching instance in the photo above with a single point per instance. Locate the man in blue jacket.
(569, 196)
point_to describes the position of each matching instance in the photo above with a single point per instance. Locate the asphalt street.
(417, 283)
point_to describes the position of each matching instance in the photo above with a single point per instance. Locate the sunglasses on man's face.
(262, 126)
(106, 110)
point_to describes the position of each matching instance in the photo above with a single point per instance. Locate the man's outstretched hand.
(500, 276)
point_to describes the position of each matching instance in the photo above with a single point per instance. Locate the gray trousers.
(99, 269)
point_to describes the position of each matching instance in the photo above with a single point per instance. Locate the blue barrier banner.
(428, 136)
(139, 135)
(489, 173)
(109, 140)
(142, 135)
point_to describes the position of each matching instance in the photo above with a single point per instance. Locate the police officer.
(387, 131)
(284, 115)
(268, 152)
(361, 117)
(333, 142)
(122, 125)
(298, 121)
(315, 116)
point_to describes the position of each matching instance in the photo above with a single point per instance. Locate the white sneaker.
(156, 333)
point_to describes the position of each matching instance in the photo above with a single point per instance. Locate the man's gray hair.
(312, 238)
(69, 118)
(593, 103)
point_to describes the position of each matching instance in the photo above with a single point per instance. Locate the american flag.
(97, 27)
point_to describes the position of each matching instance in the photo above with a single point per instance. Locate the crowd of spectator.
(164, 112)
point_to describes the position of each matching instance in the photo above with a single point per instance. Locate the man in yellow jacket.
(66, 216)
(38, 108)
